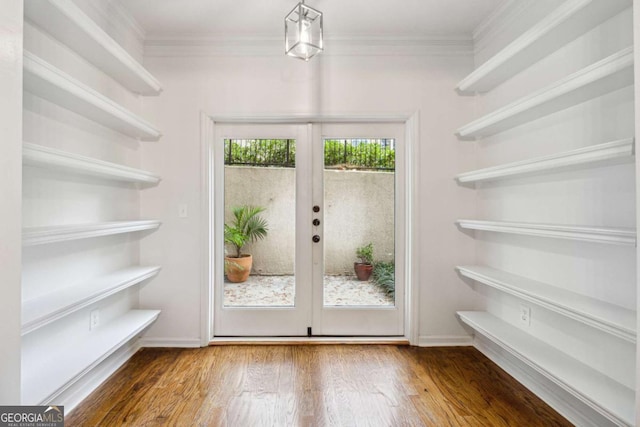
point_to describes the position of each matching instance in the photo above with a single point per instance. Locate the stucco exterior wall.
(359, 208)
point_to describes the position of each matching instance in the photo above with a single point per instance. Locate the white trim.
(610, 399)
(412, 244)
(48, 82)
(62, 233)
(601, 154)
(445, 340)
(610, 318)
(568, 21)
(568, 406)
(497, 21)
(411, 139)
(40, 311)
(154, 342)
(199, 46)
(616, 236)
(74, 394)
(207, 135)
(68, 23)
(307, 340)
(602, 77)
(66, 367)
(41, 156)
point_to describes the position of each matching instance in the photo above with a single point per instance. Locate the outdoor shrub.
(384, 275)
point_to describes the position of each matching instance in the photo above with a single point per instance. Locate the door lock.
(316, 238)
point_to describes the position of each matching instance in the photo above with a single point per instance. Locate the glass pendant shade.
(303, 32)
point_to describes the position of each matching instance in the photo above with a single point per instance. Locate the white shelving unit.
(41, 311)
(597, 155)
(62, 233)
(48, 82)
(609, 398)
(47, 375)
(567, 22)
(605, 76)
(610, 318)
(45, 157)
(70, 25)
(616, 236)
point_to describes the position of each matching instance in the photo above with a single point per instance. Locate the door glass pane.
(259, 197)
(359, 231)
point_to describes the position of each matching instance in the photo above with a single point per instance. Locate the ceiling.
(342, 18)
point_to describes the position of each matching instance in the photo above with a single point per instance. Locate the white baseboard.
(170, 342)
(566, 404)
(445, 341)
(72, 395)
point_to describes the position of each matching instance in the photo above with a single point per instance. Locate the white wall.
(11, 23)
(602, 196)
(274, 84)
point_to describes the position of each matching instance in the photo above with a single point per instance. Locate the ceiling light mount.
(303, 32)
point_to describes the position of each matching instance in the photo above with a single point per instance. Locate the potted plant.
(364, 268)
(247, 226)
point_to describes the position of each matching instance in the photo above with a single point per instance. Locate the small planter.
(363, 271)
(238, 269)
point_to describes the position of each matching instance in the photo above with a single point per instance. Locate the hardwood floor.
(331, 385)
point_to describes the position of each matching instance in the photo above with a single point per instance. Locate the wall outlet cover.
(524, 315)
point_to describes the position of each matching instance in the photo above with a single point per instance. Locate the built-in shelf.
(607, 317)
(40, 311)
(571, 19)
(45, 157)
(46, 81)
(56, 369)
(601, 154)
(605, 76)
(617, 236)
(69, 24)
(54, 234)
(611, 399)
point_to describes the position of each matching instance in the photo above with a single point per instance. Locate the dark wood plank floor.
(332, 385)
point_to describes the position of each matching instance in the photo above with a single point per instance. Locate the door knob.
(316, 238)
(316, 222)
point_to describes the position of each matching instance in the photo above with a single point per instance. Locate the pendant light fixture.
(303, 32)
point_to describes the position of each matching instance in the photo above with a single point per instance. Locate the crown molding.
(124, 24)
(202, 46)
(496, 22)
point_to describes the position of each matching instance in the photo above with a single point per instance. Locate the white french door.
(326, 190)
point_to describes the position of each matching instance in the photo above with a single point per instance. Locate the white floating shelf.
(37, 155)
(41, 311)
(571, 19)
(48, 82)
(69, 24)
(605, 76)
(54, 234)
(609, 398)
(616, 236)
(607, 153)
(607, 317)
(58, 369)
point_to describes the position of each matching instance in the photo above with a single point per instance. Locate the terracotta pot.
(238, 269)
(363, 271)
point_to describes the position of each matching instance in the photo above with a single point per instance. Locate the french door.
(325, 194)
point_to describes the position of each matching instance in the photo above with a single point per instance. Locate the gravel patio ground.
(278, 291)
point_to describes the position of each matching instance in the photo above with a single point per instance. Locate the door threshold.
(308, 340)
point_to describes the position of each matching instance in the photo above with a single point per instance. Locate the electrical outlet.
(525, 315)
(95, 319)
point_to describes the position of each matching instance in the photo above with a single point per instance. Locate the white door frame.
(207, 138)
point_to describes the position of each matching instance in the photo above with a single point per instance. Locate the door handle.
(316, 238)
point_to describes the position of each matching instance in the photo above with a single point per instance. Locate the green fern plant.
(247, 226)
